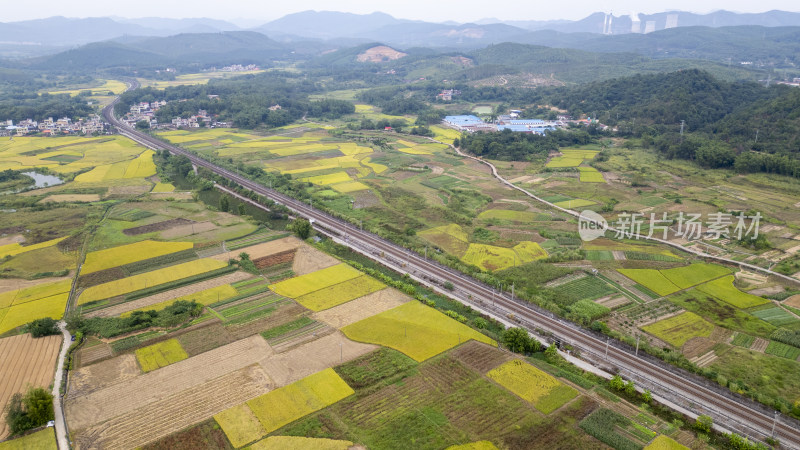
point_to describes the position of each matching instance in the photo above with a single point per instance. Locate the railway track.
(730, 413)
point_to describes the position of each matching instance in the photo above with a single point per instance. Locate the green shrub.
(32, 410)
(43, 327)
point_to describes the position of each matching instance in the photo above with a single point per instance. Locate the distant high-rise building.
(672, 21)
(649, 26)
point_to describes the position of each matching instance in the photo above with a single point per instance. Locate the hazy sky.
(429, 10)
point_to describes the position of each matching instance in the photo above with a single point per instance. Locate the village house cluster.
(146, 112)
(49, 127)
(511, 121)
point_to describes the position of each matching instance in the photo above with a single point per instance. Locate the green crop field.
(782, 350)
(665, 443)
(678, 329)
(605, 425)
(543, 391)
(743, 340)
(776, 316)
(40, 440)
(724, 289)
(588, 287)
(590, 175)
(414, 329)
(510, 215)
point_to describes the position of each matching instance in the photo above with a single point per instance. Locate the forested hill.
(663, 99)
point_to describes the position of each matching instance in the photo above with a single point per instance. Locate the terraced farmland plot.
(776, 316)
(305, 284)
(450, 238)
(678, 329)
(586, 288)
(148, 279)
(36, 302)
(126, 254)
(511, 216)
(694, 274)
(160, 355)
(283, 405)
(574, 203)
(651, 279)
(204, 297)
(333, 178)
(782, 350)
(543, 391)
(724, 290)
(16, 248)
(340, 293)
(564, 161)
(590, 175)
(414, 329)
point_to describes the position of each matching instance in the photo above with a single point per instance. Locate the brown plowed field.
(361, 308)
(275, 259)
(264, 249)
(166, 295)
(121, 398)
(158, 226)
(102, 375)
(25, 361)
(93, 354)
(175, 412)
(287, 311)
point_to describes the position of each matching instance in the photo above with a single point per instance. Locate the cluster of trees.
(21, 104)
(510, 146)
(30, 410)
(739, 125)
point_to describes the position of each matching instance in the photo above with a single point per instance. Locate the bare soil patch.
(380, 53)
(13, 239)
(612, 301)
(766, 290)
(361, 308)
(122, 398)
(177, 411)
(311, 357)
(166, 295)
(479, 356)
(273, 260)
(759, 345)
(64, 198)
(308, 259)
(25, 361)
(286, 312)
(793, 301)
(205, 339)
(102, 375)
(158, 226)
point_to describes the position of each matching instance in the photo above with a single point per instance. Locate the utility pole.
(756, 142)
(637, 344)
(607, 340)
(512, 292)
(774, 422)
(683, 122)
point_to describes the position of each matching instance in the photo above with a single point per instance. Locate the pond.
(41, 180)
